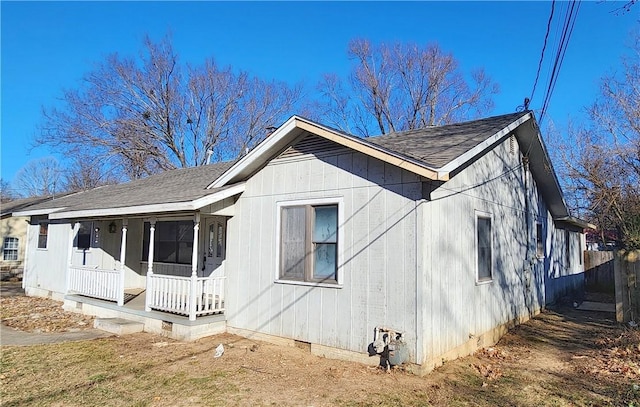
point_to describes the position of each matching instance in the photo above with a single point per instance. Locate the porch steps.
(118, 326)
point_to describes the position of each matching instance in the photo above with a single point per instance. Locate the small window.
(567, 247)
(484, 245)
(43, 234)
(10, 249)
(309, 243)
(539, 241)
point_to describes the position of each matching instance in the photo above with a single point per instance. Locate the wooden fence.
(627, 276)
(598, 271)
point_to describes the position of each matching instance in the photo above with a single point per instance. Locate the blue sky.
(48, 46)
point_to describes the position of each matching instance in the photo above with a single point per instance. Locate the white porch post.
(123, 256)
(152, 232)
(74, 230)
(194, 268)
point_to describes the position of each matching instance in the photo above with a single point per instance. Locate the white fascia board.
(462, 159)
(219, 196)
(35, 212)
(256, 153)
(127, 210)
(155, 208)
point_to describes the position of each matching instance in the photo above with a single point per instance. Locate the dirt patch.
(561, 358)
(34, 314)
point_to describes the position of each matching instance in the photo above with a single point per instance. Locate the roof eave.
(463, 159)
(576, 222)
(36, 212)
(540, 166)
(191, 205)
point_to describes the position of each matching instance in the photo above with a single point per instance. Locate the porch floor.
(136, 307)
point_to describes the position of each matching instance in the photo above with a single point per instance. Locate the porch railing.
(191, 296)
(94, 282)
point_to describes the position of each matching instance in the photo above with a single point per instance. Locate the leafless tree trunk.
(403, 87)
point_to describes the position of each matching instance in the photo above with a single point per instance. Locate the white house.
(447, 235)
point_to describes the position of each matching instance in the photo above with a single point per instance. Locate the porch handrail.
(94, 282)
(173, 294)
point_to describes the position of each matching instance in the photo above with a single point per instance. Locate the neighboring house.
(448, 235)
(13, 233)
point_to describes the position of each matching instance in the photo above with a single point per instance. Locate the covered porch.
(173, 261)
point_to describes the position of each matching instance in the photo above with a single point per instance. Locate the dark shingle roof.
(436, 146)
(180, 185)
(7, 208)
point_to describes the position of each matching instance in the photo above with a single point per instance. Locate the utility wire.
(567, 30)
(544, 46)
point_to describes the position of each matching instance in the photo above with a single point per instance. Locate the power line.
(567, 30)
(544, 46)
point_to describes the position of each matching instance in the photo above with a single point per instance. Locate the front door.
(215, 246)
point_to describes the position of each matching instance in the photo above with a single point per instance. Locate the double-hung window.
(10, 249)
(308, 242)
(484, 245)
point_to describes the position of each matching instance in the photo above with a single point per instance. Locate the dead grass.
(34, 314)
(557, 359)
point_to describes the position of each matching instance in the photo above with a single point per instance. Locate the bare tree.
(39, 177)
(86, 173)
(402, 87)
(602, 160)
(151, 113)
(6, 192)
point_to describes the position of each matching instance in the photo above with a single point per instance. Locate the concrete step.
(118, 326)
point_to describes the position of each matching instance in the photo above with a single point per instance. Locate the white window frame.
(340, 244)
(46, 235)
(12, 249)
(484, 215)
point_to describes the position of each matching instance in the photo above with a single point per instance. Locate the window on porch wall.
(173, 242)
(87, 236)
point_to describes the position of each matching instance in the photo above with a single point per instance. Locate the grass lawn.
(563, 358)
